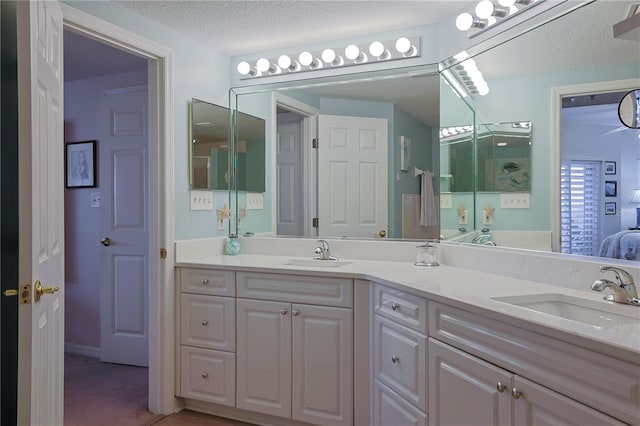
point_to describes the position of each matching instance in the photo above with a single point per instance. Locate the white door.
(263, 357)
(352, 176)
(41, 202)
(289, 174)
(124, 301)
(322, 365)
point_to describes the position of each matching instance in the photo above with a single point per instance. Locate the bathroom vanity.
(283, 340)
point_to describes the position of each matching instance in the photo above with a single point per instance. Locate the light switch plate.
(446, 201)
(514, 200)
(201, 200)
(255, 201)
(463, 219)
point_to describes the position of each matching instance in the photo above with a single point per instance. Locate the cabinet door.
(463, 389)
(264, 357)
(539, 406)
(322, 364)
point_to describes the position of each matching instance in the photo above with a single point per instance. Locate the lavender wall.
(82, 222)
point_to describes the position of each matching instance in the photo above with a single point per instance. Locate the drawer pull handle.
(395, 306)
(283, 311)
(205, 322)
(501, 388)
(515, 393)
(395, 359)
(295, 312)
(205, 281)
(205, 375)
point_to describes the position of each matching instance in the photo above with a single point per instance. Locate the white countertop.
(464, 288)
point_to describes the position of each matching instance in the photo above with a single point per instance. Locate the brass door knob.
(38, 290)
(106, 241)
(381, 233)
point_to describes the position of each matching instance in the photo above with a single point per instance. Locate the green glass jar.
(232, 245)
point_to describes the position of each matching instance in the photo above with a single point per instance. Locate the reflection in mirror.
(589, 62)
(376, 134)
(209, 126)
(629, 109)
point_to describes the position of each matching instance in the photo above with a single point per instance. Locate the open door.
(41, 233)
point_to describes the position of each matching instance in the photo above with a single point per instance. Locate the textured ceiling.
(237, 27)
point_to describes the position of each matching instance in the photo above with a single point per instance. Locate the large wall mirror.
(522, 74)
(209, 148)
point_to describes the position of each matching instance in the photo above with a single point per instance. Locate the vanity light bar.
(447, 132)
(353, 54)
(468, 73)
(489, 13)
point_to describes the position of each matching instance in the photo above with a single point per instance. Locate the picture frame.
(609, 167)
(405, 153)
(80, 164)
(609, 209)
(610, 188)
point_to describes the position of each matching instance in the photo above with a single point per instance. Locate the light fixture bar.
(352, 54)
(489, 13)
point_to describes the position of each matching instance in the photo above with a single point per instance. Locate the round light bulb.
(464, 21)
(491, 20)
(243, 68)
(328, 55)
(506, 3)
(263, 64)
(284, 61)
(305, 58)
(376, 49)
(483, 90)
(403, 45)
(352, 52)
(484, 9)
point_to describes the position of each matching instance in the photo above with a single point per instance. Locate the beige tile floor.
(192, 418)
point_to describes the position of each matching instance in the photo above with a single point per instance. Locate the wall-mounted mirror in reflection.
(209, 155)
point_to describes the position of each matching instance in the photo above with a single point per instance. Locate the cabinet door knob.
(283, 311)
(205, 322)
(515, 393)
(205, 281)
(395, 359)
(501, 388)
(295, 312)
(395, 306)
(205, 375)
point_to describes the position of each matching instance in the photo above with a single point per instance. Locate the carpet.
(103, 394)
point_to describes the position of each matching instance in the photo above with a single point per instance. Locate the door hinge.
(24, 293)
(163, 253)
(314, 222)
(314, 143)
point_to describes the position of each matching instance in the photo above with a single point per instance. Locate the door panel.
(124, 296)
(41, 252)
(289, 178)
(352, 176)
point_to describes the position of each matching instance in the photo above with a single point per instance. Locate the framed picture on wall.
(609, 167)
(609, 209)
(610, 188)
(405, 153)
(80, 164)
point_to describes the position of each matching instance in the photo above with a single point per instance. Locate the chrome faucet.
(484, 239)
(624, 290)
(323, 251)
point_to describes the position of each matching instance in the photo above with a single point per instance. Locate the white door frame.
(309, 160)
(557, 93)
(161, 194)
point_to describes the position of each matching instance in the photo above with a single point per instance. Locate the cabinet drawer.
(208, 322)
(207, 281)
(208, 375)
(599, 381)
(400, 360)
(296, 288)
(391, 409)
(402, 307)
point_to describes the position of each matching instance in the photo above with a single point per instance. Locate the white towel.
(428, 209)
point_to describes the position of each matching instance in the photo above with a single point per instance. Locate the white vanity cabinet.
(295, 347)
(399, 358)
(207, 335)
(490, 373)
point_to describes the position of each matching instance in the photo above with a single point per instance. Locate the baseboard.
(92, 351)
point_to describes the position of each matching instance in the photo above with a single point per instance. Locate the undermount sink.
(317, 263)
(595, 313)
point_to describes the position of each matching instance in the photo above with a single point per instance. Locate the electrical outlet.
(255, 201)
(486, 218)
(463, 218)
(514, 200)
(201, 200)
(446, 201)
